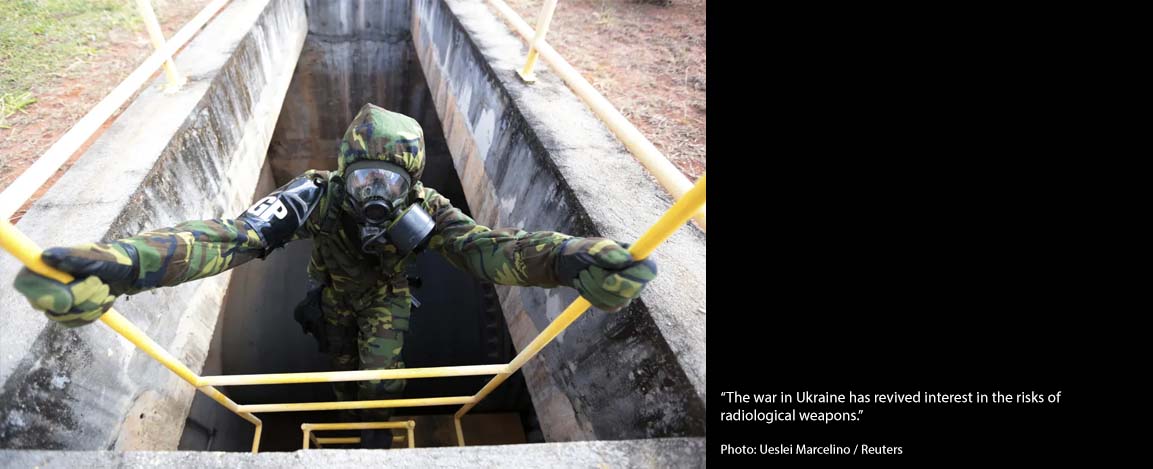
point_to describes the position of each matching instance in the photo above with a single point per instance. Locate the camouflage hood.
(382, 135)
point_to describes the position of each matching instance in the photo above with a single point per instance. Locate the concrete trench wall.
(535, 157)
(355, 52)
(194, 154)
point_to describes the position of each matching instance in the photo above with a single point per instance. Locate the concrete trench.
(273, 84)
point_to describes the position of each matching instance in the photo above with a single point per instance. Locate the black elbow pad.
(279, 215)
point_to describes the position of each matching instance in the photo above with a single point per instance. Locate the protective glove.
(309, 313)
(102, 272)
(603, 271)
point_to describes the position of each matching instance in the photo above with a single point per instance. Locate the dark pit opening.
(460, 322)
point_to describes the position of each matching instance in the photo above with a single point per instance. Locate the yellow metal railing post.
(175, 80)
(542, 23)
(410, 430)
(677, 215)
(256, 435)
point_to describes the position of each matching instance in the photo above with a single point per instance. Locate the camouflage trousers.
(367, 339)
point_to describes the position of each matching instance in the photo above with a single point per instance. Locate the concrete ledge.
(536, 158)
(193, 154)
(672, 452)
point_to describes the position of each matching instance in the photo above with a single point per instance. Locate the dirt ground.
(648, 60)
(64, 97)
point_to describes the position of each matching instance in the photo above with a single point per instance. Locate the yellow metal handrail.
(19, 245)
(667, 174)
(28, 253)
(360, 375)
(676, 216)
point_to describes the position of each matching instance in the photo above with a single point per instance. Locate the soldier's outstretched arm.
(168, 256)
(602, 270)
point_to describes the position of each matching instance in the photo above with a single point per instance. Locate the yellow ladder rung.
(338, 440)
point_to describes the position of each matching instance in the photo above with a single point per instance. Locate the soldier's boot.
(379, 438)
(376, 439)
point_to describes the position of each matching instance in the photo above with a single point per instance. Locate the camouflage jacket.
(198, 249)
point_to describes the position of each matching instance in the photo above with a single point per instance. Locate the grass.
(604, 16)
(40, 38)
(11, 104)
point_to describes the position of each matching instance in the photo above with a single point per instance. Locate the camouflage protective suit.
(365, 299)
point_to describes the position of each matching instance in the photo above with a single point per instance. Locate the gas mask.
(379, 194)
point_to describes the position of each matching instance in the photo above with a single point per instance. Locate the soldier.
(367, 219)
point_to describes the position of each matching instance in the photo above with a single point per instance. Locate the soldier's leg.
(381, 351)
(381, 344)
(342, 334)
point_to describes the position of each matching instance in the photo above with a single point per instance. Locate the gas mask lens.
(379, 189)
